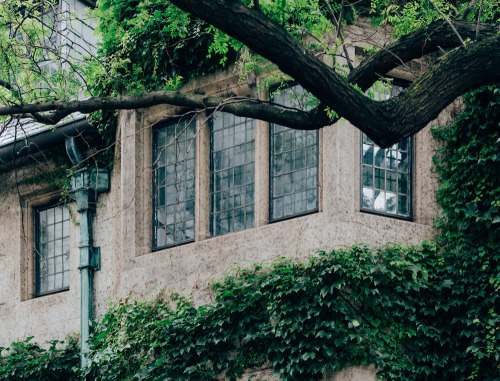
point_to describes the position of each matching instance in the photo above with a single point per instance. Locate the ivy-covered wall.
(427, 312)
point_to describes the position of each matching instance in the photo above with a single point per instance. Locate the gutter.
(32, 144)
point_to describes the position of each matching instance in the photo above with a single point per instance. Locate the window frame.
(36, 215)
(211, 227)
(162, 124)
(270, 163)
(410, 216)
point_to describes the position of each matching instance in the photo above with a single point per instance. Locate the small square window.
(52, 249)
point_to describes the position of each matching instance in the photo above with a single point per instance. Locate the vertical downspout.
(85, 185)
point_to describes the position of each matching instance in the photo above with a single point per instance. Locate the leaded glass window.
(174, 183)
(294, 164)
(232, 148)
(386, 178)
(386, 173)
(52, 249)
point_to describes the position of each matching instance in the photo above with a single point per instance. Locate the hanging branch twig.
(479, 19)
(339, 33)
(340, 19)
(449, 22)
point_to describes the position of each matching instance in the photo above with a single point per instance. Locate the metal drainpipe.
(85, 185)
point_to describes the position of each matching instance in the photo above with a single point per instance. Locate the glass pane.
(367, 198)
(403, 164)
(66, 245)
(312, 178)
(50, 249)
(277, 165)
(58, 281)
(367, 176)
(299, 180)
(403, 183)
(288, 140)
(58, 230)
(300, 202)
(391, 202)
(278, 186)
(288, 205)
(249, 216)
(312, 156)
(51, 283)
(403, 205)
(58, 247)
(66, 280)
(278, 143)
(391, 181)
(239, 197)
(287, 183)
(50, 216)
(287, 162)
(58, 214)
(43, 251)
(367, 154)
(65, 262)
(379, 156)
(239, 219)
(312, 199)
(300, 159)
(379, 202)
(379, 178)
(278, 207)
(249, 196)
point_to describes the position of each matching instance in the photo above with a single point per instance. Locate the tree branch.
(414, 45)
(339, 33)
(385, 122)
(246, 107)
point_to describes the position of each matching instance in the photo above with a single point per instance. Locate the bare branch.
(339, 33)
(479, 19)
(448, 21)
(340, 18)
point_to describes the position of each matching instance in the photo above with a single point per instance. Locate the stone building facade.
(168, 224)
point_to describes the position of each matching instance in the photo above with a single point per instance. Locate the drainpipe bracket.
(96, 258)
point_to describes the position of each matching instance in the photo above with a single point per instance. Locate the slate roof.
(27, 129)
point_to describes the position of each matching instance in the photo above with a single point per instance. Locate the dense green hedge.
(428, 312)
